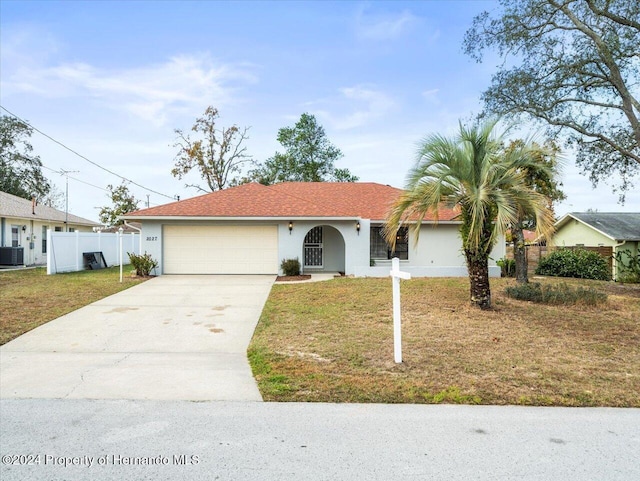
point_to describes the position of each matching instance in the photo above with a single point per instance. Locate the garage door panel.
(220, 249)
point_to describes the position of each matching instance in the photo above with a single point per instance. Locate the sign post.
(120, 230)
(396, 274)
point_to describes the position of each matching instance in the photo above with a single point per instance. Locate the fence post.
(78, 254)
(120, 256)
(50, 257)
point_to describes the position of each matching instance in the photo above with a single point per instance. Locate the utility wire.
(72, 178)
(83, 157)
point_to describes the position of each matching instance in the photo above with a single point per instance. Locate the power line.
(73, 178)
(151, 204)
(85, 158)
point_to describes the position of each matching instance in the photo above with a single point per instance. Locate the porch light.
(290, 227)
(24, 228)
(358, 227)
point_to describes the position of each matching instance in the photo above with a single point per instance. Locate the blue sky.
(112, 80)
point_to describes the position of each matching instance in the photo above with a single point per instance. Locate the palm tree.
(548, 161)
(474, 173)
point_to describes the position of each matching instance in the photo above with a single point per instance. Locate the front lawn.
(30, 298)
(333, 342)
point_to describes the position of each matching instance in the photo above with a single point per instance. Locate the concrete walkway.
(171, 338)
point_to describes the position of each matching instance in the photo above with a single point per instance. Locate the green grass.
(30, 298)
(333, 342)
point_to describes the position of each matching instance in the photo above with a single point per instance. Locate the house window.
(71, 229)
(15, 235)
(44, 239)
(380, 249)
(58, 229)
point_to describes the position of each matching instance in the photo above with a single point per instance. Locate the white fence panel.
(65, 249)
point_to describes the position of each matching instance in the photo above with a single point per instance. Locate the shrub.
(629, 271)
(507, 267)
(579, 263)
(143, 264)
(556, 294)
(290, 267)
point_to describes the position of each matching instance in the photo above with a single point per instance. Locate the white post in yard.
(120, 230)
(78, 253)
(50, 257)
(396, 275)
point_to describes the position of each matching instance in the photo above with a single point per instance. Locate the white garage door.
(220, 249)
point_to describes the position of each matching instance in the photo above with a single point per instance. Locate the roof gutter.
(234, 218)
(270, 219)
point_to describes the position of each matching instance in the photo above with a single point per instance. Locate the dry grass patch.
(333, 341)
(30, 298)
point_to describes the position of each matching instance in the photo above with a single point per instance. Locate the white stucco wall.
(152, 242)
(292, 243)
(436, 254)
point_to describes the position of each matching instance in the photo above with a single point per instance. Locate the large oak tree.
(574, 65)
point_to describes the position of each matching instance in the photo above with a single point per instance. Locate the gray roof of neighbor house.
(620, 226)
(14, 206)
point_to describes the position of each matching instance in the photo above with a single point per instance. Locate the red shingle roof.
(364, 200)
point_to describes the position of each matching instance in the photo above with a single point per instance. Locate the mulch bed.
(293, 278)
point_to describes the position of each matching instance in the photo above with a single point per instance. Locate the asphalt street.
(78, 439)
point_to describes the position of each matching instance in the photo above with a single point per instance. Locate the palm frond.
(474, 172)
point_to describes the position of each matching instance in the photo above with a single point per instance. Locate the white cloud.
(24, 44)
(361, 105)
(371, 26)
(150, 92)
(431, 96)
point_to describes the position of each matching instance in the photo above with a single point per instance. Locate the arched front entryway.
(323, 250)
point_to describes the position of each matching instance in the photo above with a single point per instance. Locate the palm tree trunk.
(520, 254)
(480, 291)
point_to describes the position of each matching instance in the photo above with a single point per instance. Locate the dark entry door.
(313, 248)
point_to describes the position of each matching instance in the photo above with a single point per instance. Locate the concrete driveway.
(172, 337)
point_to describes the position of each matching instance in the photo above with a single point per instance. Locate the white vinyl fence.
(65, 249)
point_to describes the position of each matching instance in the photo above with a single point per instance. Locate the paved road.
(172, 337)
(270, 441)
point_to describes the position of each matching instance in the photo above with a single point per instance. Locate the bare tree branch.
(218, 155)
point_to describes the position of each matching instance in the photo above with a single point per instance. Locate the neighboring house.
(24, 223)
(128, 228)
(613, 232)
(530, 237)
(328, 226)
